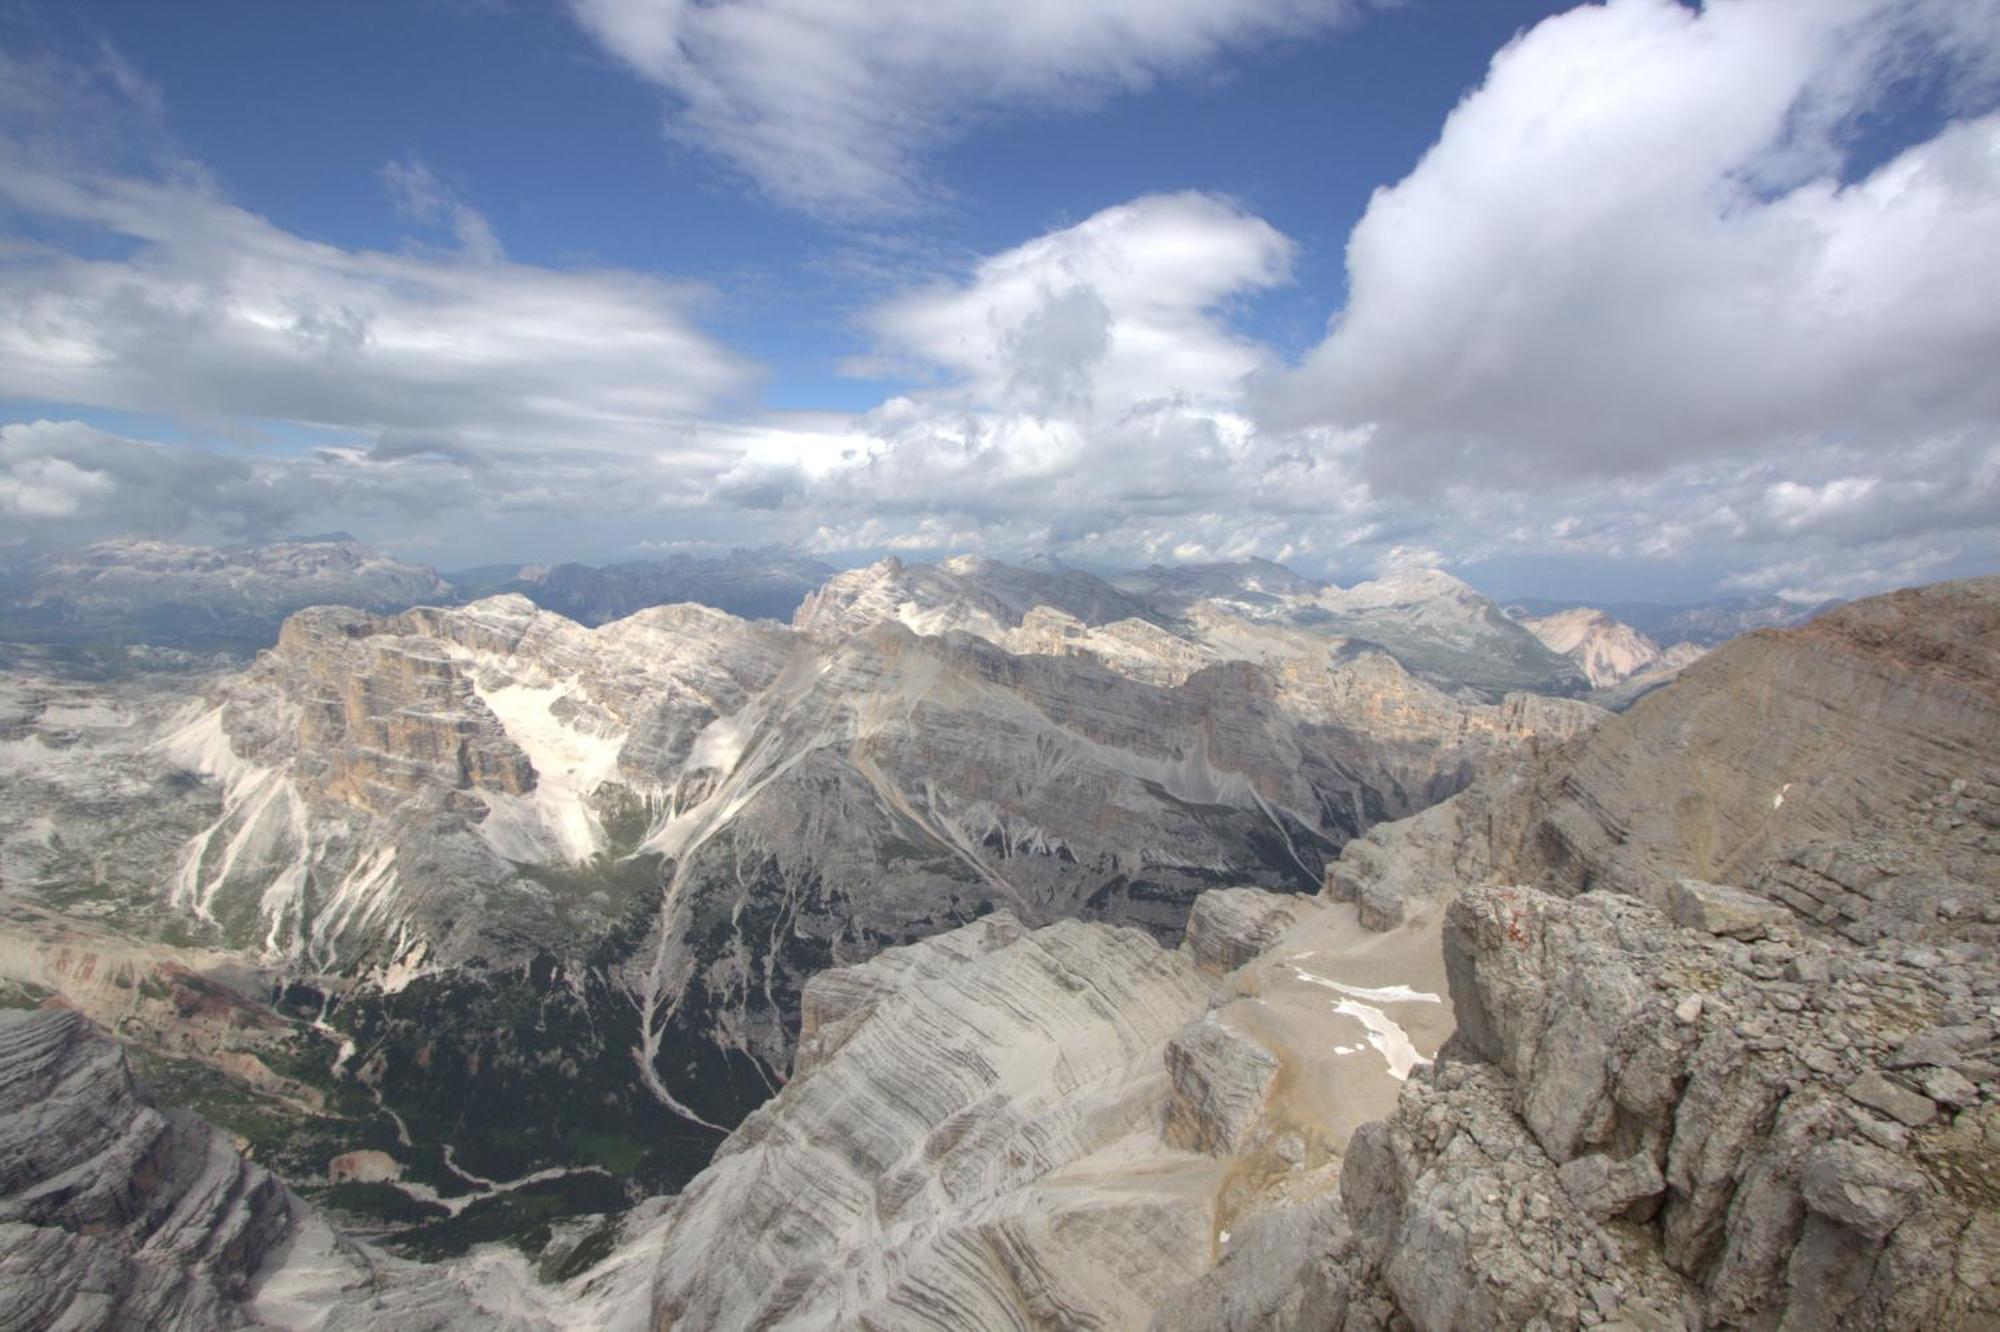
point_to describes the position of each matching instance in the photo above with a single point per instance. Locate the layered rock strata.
(113, 1214)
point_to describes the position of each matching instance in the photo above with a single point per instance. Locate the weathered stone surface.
(1229, 926)
(1605, 1188)
(1457, 1218)
(937, 1166)
(113, 1214)
(1220, 1080)
(1779, 1197)
(1281, 1272)
(1878, 1093)
(1716, 908)
(1861, 1187)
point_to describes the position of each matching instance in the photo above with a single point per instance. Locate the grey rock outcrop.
(951, 1161)
(1719, 909)
(113, 1214)
(1220, 1078)
(1755, 1186)
(1229, 926)
(1775, 1107)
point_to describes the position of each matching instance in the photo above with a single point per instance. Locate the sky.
(1620, 301)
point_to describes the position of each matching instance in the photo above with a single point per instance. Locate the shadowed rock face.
(113, 1214)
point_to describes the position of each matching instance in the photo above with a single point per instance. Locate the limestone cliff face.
(1008, 1128)
(1651, 1125)
(412, 829)
(115, 1215)
(1764, 1102)
(1691, 1084)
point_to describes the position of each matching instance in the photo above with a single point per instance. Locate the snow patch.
(569, 765)
(1385, 994)
(1386, 1035)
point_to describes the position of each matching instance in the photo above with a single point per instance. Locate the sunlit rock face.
(1606, 650)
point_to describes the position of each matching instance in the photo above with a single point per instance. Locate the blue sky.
(537, 127)
(1637, 300)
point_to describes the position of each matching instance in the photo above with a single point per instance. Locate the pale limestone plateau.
(1690, 1018)
(225, 599)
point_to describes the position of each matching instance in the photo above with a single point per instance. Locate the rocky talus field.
(1009, 950)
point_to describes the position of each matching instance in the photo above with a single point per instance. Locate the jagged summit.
(969, 593)
(1159, 623)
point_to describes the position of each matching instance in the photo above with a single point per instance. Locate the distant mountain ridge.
(215, 598)
(1704, 623)
(1607, 650)
(232, 599)
(1162, 623)
(763, 584)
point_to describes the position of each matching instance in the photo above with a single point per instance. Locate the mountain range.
(470, 867)
(1681, 1016)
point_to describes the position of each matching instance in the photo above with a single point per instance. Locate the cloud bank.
(163, 297)
(1637, 243)
(1662, 295)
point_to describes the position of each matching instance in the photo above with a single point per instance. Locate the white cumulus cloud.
(1634, 244)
